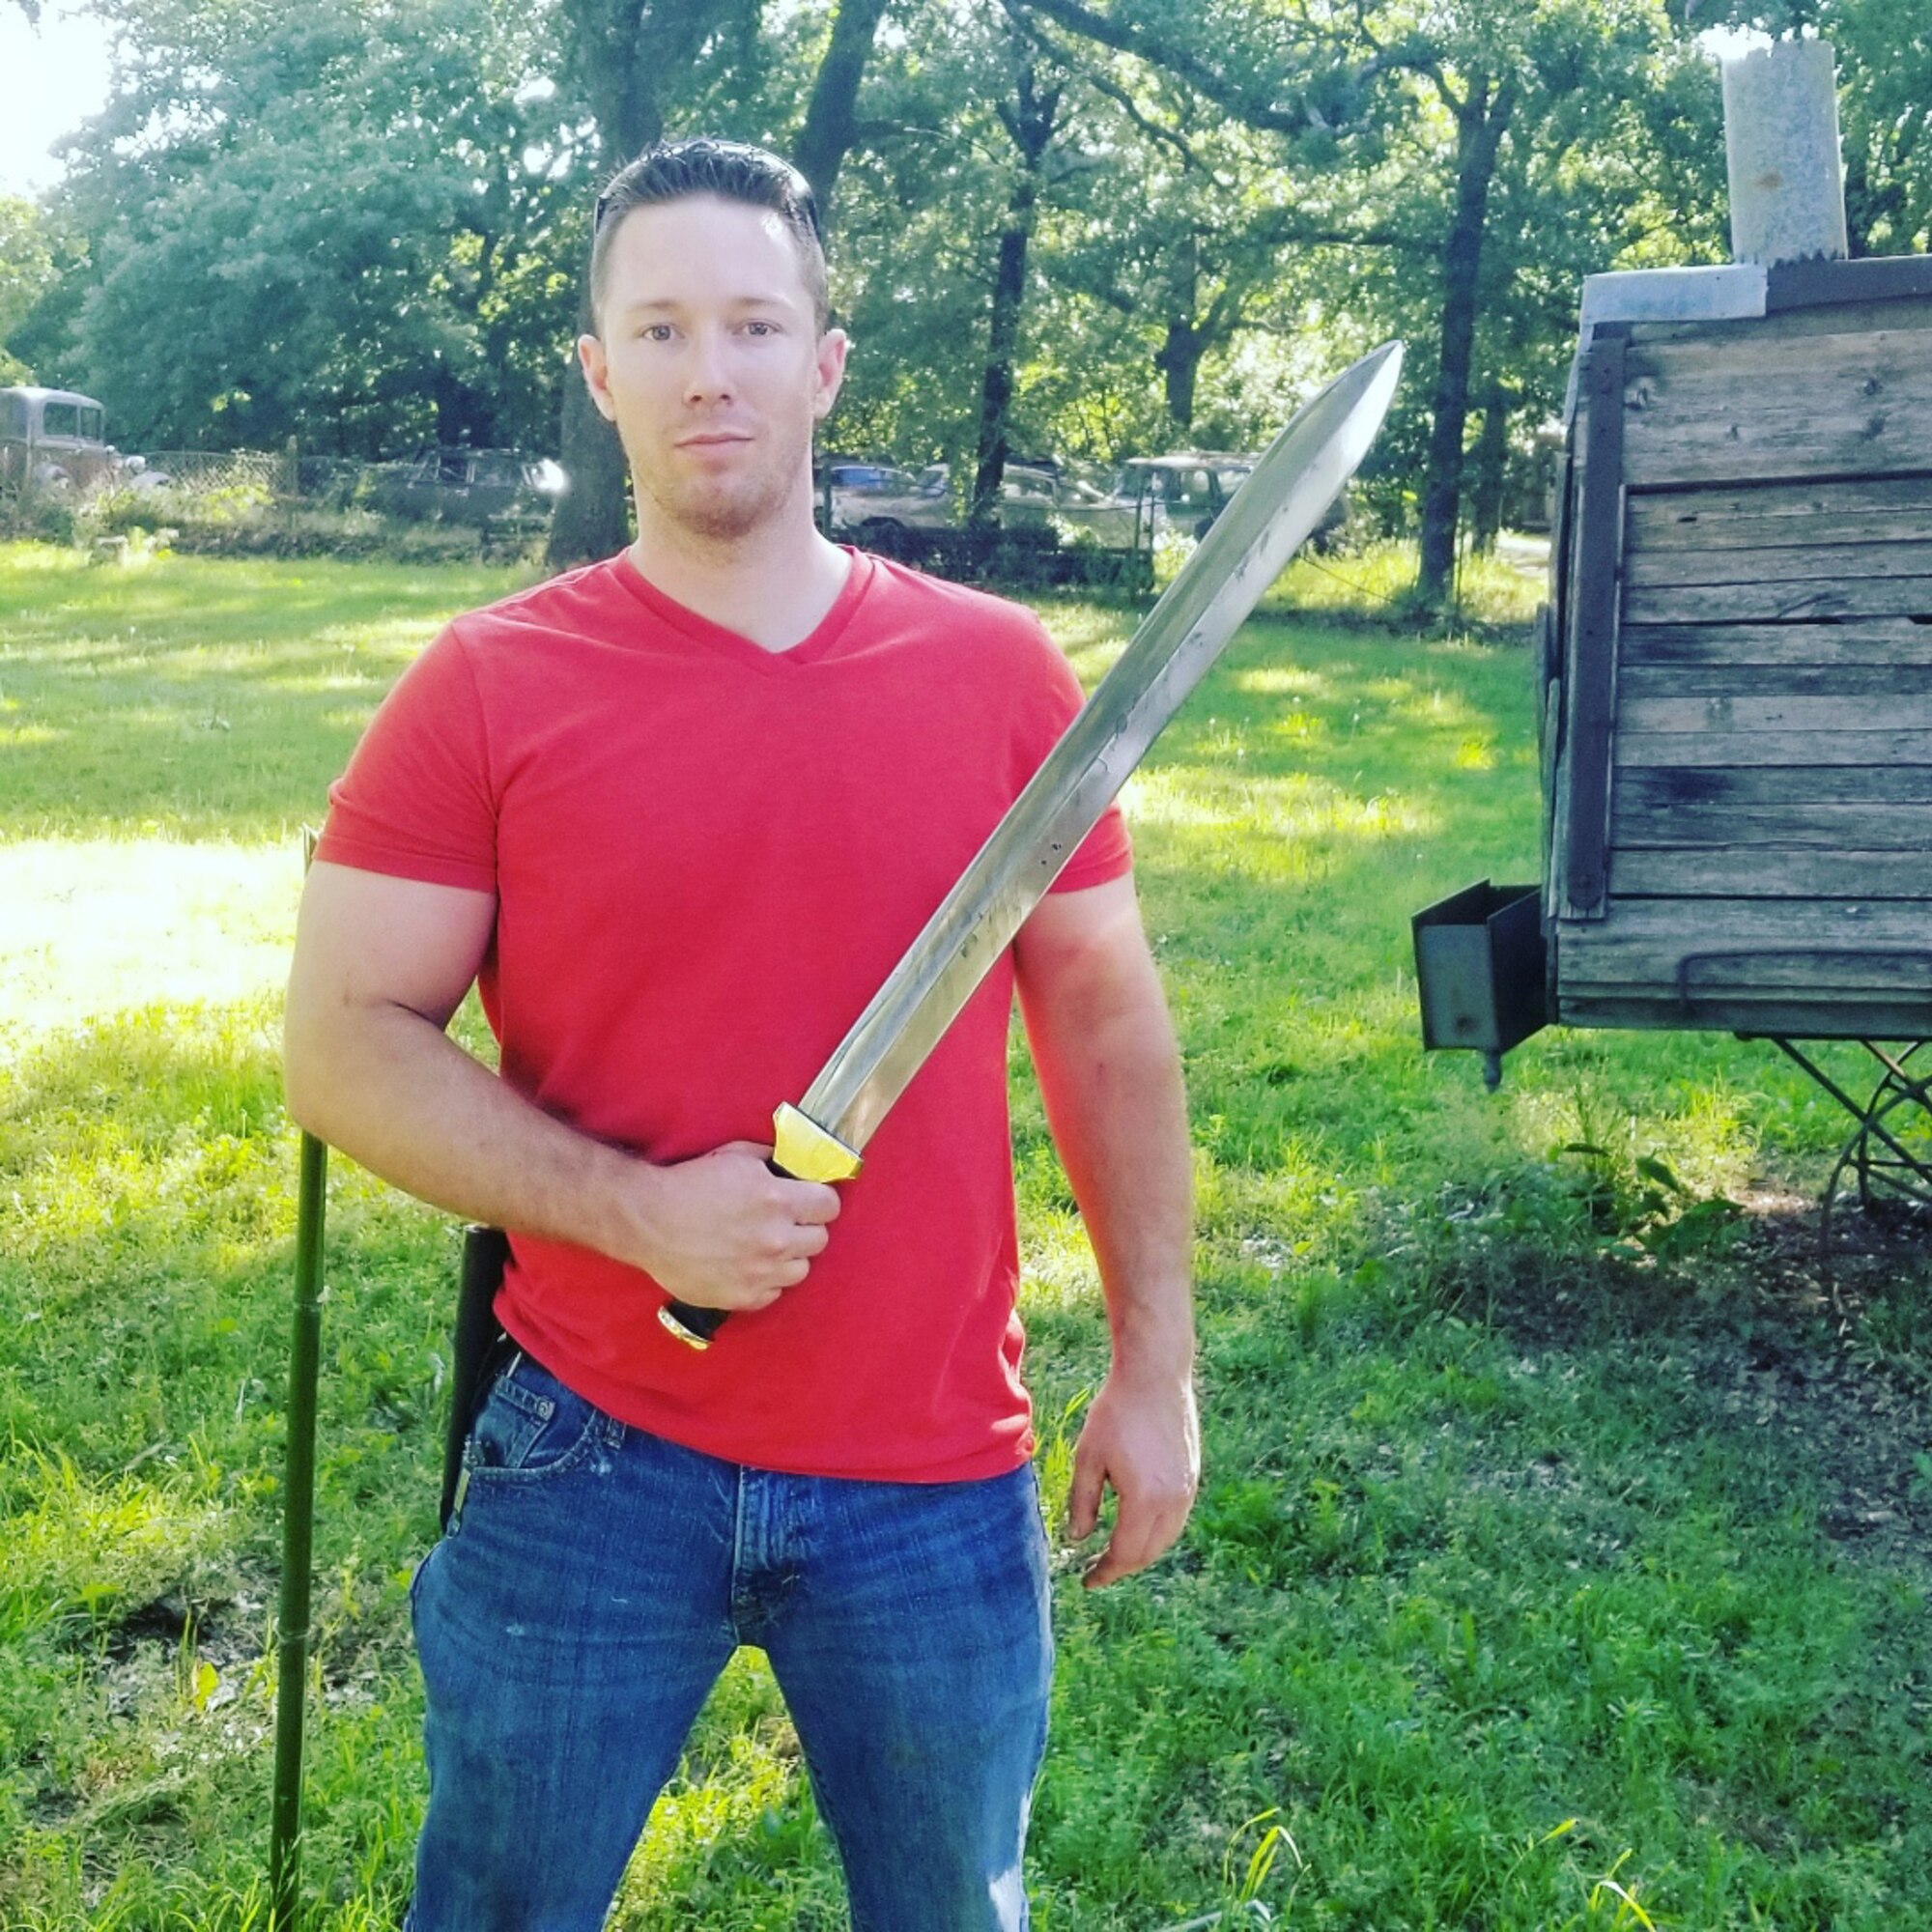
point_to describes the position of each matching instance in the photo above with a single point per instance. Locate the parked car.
(1184, 492)
(866, 493)
(879, 515)
(471, 486)
(53, 439)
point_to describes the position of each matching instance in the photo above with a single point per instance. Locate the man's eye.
(656, 331)
(761, 329)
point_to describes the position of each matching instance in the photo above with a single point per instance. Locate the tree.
(831, 129)
(1029, 115)
(1425, 101)
(322, 225)
(28, 270)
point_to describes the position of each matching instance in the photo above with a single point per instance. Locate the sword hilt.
(801, 1150)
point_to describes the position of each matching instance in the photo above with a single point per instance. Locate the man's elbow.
(326, 1036)
(306, 1069)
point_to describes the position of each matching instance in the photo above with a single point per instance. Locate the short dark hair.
(733, 171)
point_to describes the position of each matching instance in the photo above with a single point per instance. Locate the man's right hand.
(722, 1231)
(380, 964)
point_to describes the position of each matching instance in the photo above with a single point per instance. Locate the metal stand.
(295, 1639)
(294, 1648)
(1887, 1160)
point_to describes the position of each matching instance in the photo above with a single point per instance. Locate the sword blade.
(1243, 552)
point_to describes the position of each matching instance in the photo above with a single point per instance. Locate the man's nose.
(707, 372)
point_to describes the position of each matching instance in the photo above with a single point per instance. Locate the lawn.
(1563, 1553)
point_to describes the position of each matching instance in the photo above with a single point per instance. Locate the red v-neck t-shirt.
(706, 855)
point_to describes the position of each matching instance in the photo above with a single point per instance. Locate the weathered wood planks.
(1770, 871)
(1818, 1012)
(1770, 682)
(1776, 600)
(1704, 748)
(1730, 826)
(1715, 411)
(1868, 641)
(1866, 714)
(1769, 853)
(1784, 563)
(1654, 514)
(1770, 515)
(1885, 785)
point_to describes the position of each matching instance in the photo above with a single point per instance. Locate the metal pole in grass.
(298, 1531)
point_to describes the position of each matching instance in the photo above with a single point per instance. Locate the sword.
(823, 1136)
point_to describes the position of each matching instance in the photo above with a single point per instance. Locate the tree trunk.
(592, 517)
(1029, 122)
(1482, 119)
(1179, 360)
(996, 388)
(830, 128)
(1492, 462)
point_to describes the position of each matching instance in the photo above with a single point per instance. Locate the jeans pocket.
(530, 1425)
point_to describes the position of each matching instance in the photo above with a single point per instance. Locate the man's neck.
(774, 587)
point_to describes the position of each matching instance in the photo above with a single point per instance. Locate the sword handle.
(801, 1150)
(692, 1327)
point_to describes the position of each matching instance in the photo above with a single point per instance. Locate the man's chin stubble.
(725, 519)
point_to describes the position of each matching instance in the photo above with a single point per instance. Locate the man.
(677, 814)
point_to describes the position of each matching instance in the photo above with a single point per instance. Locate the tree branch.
(1156, 51)
(1154, 130)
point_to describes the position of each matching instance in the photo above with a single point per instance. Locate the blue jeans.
(592, 1585)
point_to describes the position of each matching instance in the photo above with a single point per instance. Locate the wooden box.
(1737, 661)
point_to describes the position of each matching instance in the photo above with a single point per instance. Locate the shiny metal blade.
(1248, 547)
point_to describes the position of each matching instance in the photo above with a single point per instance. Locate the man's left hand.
(1142, 1439)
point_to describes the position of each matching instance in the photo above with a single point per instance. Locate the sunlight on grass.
(1283, 681)
(1498, 589)
(95, 926)
(1295, 808)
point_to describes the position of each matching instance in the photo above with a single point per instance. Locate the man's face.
(709, 360)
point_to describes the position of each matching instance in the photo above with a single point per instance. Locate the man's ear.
(830, 359)
(596, 375)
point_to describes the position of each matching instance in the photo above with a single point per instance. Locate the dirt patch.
(1832, 1355)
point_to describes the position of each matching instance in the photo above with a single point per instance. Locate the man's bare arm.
(380, 964)
(1110, 1074)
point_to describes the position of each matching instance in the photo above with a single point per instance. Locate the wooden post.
(1787, 177)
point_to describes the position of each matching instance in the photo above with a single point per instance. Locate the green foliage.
(247, 520)
(1512, 1597)
(28, 270)
(339, 223)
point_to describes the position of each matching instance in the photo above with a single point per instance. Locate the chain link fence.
(327, 481)
(207, 472)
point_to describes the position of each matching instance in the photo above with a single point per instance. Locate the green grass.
(1561, 1560)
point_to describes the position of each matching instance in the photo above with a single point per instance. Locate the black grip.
(702, 1322)
(477, 1338)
